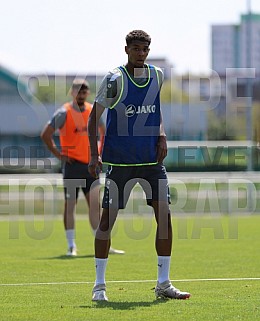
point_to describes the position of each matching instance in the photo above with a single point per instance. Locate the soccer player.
(134, 148)
(71, 120)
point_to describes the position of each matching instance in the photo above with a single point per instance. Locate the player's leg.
(92, 195)
(68, 216)
(159, 199)
(103, 233)
(71, 190)
(92, 199)
(118, 187)
(155, 185)
(102, 246)
(163, 238)
(164, 289)
(113, 200)
(69, 225)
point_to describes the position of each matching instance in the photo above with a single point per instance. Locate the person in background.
(71, 121)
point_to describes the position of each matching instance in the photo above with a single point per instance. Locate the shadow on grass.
(122, 305)
(65, 257)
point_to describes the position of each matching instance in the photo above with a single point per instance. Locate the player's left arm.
(162, 144)
(95, 164)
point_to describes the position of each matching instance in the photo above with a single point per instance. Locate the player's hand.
(95, 166)
(161, 149)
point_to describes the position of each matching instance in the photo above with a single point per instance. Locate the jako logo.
(131, 110)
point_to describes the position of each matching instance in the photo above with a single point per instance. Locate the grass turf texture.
(189, 198)
(35, 254)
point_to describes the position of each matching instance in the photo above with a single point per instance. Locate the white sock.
(70, 235)
(101, 265)
(163, 268)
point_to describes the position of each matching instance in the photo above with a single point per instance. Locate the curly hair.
(138, 35)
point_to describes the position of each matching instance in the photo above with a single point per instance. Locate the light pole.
(249, 95)
(249, 83)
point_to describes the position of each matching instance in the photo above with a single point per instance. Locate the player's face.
(80, 96)
(137, 53)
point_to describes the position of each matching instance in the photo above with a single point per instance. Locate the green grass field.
(37, 282)
(204, 197)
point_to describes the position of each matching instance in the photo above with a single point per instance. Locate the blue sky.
(83, 36)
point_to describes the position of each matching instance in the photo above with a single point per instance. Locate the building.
(21, 122)
(230, 43)
(236, 46)
(12, 88)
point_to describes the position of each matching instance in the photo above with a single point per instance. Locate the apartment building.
(236, 45)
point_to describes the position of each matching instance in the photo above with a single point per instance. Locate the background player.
(71, 121)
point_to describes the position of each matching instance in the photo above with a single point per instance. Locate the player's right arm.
(47, 137)
(48, 131)
(95, 164)
(107, 95)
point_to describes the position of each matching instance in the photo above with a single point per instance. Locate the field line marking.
(130, 281)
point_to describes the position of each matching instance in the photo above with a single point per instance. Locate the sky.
(88, 37)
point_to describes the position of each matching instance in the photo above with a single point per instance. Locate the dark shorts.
(76, 176)
(120, 180)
